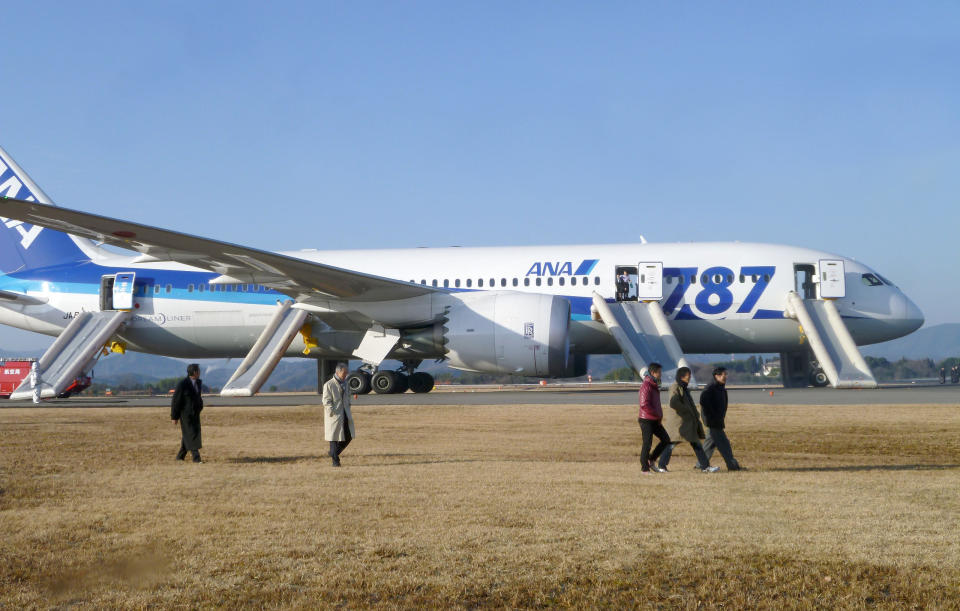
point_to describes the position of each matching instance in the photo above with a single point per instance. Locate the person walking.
(689, 427)
(185, 408)
(650, 418)
(337, 418)
(713, 404)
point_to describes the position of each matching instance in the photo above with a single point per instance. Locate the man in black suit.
(186, 407)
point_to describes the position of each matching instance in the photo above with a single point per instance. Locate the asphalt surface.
(948, 394)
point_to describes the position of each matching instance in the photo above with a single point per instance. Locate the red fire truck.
(15, 371)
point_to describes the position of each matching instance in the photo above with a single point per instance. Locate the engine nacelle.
(506, 332)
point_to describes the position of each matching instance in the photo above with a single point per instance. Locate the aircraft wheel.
(819, 379)
(385, 382)
(403, 383)
(421, 382)
(358, 382)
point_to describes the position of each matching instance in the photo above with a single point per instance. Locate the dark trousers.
(649, 428)
(702, 461)
(336, 447)
(183, 452)
(717, 440)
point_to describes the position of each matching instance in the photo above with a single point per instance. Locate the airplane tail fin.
(23, 246)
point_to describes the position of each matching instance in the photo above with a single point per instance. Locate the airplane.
(528, 310)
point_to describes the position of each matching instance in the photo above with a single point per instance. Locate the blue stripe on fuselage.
(84, 279)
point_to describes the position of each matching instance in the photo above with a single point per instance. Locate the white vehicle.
(531, 310)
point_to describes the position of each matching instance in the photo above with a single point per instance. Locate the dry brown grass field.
(478, 506)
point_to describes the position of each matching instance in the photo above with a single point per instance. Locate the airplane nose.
(912, 316)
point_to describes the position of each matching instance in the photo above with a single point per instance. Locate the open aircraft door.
(832, 283)
(123, 291)
(650, 281)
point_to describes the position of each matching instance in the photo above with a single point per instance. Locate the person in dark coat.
(713, 404)
(185, 408)
(689, 429)
(651, 415)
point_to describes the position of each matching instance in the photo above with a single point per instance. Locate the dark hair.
(654, 367)
(193, 368)
(682, 373)
(718, 370)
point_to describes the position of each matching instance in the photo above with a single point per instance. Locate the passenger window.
(538, 280)
(596, 280)
(730, 278)
(156, 289)
(693, 279)
(526, 282)
(516, 282)
(189, 288)
(560, 280)
(434, 282)
(503, 282)
(202, 287)
(446, 283)
(246, 287)
(169, 288)
(493, 282)
(550, 281)
(766, 277)
(480, 283)
(573, 281)
(469, 282)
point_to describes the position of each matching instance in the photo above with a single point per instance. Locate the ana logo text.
(562, 268)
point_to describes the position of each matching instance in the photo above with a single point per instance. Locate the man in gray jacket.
(337, 418)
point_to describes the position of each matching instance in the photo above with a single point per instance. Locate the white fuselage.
(740, 307)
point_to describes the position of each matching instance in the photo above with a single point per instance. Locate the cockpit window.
(871, 280)
(885, 281)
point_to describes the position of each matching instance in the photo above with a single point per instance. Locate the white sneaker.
(659, 469)
(711, 469)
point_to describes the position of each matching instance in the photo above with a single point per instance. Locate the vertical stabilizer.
(24, 246)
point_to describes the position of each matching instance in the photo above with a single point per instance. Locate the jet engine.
(506, 332)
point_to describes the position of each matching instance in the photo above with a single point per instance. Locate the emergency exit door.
(832, 284)
(650, 281)
(116, 291)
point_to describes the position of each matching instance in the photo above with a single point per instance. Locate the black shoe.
(336, 461)
(197, 458)
(181, 456)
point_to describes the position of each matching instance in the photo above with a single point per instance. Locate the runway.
(889, 395)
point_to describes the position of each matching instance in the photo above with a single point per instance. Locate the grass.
(478, 506)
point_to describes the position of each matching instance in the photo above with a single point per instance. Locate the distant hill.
(937, 342)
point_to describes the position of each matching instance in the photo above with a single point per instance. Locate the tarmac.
(901, 394)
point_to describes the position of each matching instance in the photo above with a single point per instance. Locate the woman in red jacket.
(650, 416)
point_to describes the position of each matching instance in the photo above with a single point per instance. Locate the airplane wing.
(21, 298)
(237, 264)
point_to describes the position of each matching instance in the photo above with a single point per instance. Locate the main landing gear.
(385, 382)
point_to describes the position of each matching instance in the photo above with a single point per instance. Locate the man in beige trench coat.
(337, 418)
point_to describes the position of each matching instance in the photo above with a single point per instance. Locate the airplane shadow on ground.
(418, 459)
(856, 468)
(275, 459)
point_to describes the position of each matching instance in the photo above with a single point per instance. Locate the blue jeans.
(702, 461)
(717, 440)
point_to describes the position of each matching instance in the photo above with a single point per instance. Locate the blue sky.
(356, 125)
